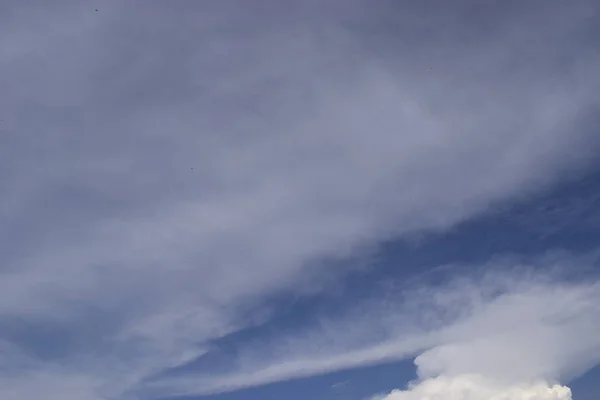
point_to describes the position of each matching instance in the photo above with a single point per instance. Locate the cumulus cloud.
(477, 388)
(164, 168)
(516, 357)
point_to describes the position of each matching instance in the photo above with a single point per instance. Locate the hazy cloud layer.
(163, 167)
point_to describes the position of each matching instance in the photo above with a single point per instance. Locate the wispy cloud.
(505, 327)
(162, 169)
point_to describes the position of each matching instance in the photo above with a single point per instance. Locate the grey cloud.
(162, 164)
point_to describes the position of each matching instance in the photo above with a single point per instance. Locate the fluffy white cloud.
(477, 388)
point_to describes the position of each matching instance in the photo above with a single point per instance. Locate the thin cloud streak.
(499, 330)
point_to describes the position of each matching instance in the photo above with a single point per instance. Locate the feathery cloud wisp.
(499, 329)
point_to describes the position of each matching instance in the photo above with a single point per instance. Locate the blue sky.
(326, 199)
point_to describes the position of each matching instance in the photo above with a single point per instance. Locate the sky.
(274, 199)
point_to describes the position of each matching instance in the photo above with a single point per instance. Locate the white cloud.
(477, 388)
(504, 328)
(507, 325)
(163, 169)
